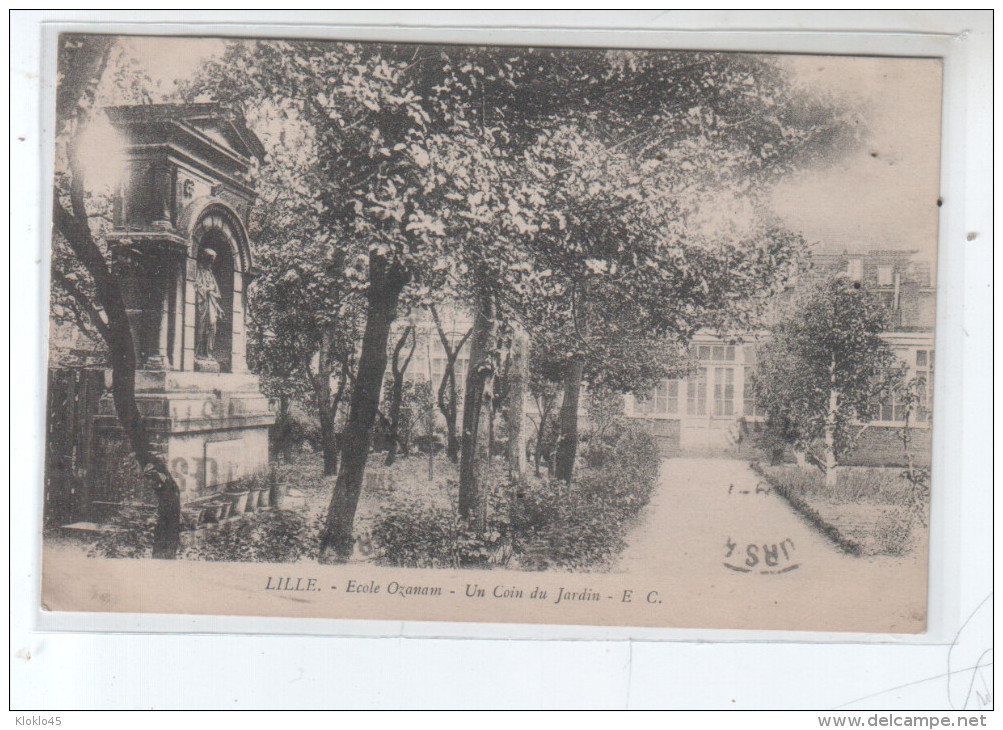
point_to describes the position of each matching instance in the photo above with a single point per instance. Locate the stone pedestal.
(211, 430)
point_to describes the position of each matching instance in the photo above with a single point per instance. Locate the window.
(885, 276)
(664, 401)
(887, 299)
(723, 381)
(894, 408)
(716, 353)
(439, 369)
(724, 391)
(667, 397)
(696, 393)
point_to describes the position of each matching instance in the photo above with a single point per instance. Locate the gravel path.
(723, 538)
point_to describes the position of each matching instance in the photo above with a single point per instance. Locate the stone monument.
(180, 245)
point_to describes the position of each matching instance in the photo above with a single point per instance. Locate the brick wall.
(882, 446)
(667, 434)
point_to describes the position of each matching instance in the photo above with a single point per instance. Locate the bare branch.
(84, 302)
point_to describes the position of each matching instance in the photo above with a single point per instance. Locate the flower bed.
(870, 510)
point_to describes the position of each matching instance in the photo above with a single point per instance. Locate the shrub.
(426, 443)
(894, 534)
(293, 430)
(542, 523)
(624, 443)
(275, 536)
(415, 536)
(605, 412)
(556, 524)
(415, 419)
(776, 438)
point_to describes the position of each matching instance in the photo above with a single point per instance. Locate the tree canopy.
(583, 194)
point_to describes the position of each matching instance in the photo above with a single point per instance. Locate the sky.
(881, 196)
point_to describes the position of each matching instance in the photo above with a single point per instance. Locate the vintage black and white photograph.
(594, 336)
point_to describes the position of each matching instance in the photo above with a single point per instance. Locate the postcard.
(495, 334)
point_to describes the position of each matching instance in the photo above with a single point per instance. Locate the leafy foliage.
(419, 536)
(415, 410)
(537, 524)
(572, 190)
(74, 305)
(274, 536)
(825, 365)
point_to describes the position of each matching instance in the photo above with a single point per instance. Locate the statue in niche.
(208, 306)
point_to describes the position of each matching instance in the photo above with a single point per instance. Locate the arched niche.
(217, 246)
(214, 213)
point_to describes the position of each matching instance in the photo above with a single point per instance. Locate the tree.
(436, 158)
(447, 398)
(636, 141)
(629, 278)
(518, 387)
(825, 368)
(306, 317)
(604, 408)
(544, 382)
(398, 369)
(415, 416)
(95, 282)
(370, 110)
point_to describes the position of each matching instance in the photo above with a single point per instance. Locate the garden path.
(731, 547)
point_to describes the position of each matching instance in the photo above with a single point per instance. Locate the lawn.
(870, 510)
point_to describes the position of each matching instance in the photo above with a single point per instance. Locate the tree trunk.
(830, 458)
(122, 355)
(538, 451)
(386, 282)
(473, 496)
(567, 420)
(452, 440)
(83, 68)
(327, 408)
(545, 405)
(396, 395)
(801, 459)
(518, 379)
(447, 386)
(397, 392)
(830, 427)
(328, 442)
(167, 530)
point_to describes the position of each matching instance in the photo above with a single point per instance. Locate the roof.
(224, 124)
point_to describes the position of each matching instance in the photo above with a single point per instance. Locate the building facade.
(714, 409)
